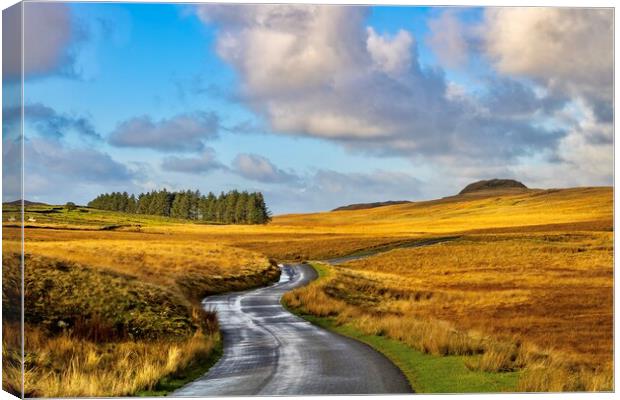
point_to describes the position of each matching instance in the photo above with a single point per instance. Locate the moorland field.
(521, 285)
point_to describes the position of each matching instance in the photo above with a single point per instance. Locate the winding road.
(269, 351)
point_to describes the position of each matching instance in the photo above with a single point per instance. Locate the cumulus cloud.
(391, 55)
(49, 122)
(206, 162)
(566, 49)
(448, 39)
(319, 71)
(581, 157)
(12, 42)
(46, 155)
(49, 158)
(266, 43)
(259, 168)
(56, 172)
(586, 152)
(513, 98)
(48, 33)
(184, 132)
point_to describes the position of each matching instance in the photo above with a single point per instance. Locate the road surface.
(269, 351)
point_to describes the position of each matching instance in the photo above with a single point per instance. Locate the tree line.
(233, 207)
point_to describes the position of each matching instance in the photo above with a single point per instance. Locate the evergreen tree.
(132, 204)
(233, 207)
(194, 204)
(251, 209)
(264, 213)
(241, 208)
(210, 208)
(220, 207)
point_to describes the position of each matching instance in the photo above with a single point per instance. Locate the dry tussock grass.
(94, 332)
(110, 317)
(11, 357)
(294, 244)
(65, 366)
(539, 302)
(197, 268)
(153, 258)
(555, 290)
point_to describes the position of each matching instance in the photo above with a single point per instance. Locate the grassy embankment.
(531, 270)
(533, 301)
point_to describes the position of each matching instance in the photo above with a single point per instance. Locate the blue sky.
(315, 106)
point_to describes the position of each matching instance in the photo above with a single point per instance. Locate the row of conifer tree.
(233, 207)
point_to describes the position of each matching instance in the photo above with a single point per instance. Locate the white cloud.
(448, 39)
(259, 168)
(183, 132)
(53, 158)
(56, 172)
(566, 49)
(586, 153)
(320, 71)
(391, 55)
(206, 162)
(48, 33)
(267, 42)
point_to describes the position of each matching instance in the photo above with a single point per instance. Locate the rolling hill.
(363, 206)
(489, 210)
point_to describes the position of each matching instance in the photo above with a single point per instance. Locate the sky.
(315, 106)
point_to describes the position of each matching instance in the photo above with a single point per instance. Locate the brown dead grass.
(196, 268)
(110, 317)
(66, 366)
(554, 290)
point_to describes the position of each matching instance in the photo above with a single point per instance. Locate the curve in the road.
(269, 351)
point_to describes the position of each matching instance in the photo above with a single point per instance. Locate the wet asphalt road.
(269, 351)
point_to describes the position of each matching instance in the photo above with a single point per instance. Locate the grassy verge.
(426, 373)
(177, 380)
(122, 318)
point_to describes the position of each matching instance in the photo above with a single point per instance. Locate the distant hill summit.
(492, 184)
(363, 206)
(26, 203)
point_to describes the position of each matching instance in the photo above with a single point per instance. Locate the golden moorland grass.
(565, 209)
(464, 213)
(196, 268)
(111, 317)
(541, 302)
(531, 272)
(64, 365)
